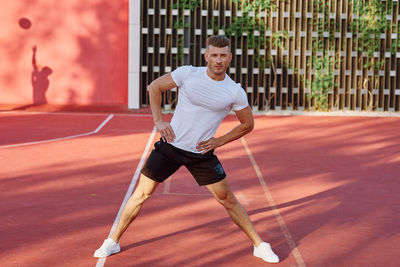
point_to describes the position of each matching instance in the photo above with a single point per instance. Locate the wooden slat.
(281, 84)
(396, 20)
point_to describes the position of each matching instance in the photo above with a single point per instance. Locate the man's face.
(218, 59)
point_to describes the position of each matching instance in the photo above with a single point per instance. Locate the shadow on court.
(333, 180)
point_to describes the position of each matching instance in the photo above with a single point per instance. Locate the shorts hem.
(152, 178)
(216, 180)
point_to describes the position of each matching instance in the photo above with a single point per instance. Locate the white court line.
(271, 202)
(102, 261)
(167, 186)
(72, 113)
(62, 138)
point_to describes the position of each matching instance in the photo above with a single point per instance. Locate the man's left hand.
(207, 145)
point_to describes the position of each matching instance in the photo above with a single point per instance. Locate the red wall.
(82, 52)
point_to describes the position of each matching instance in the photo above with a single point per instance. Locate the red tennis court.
(323, 191)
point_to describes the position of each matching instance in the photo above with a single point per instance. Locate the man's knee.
(223, 194)
(145, 189)
(226, 198)
(141, 196)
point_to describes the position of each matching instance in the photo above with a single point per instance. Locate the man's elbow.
(153, 88)
(150, 87)
(249, 127)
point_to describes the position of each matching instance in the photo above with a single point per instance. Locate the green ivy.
(367, 26)
(323, 81)
(249, 25)
(321, 62)
(370, 23)
(179, 21)
(187, 4)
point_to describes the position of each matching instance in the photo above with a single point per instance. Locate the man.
(206, 96)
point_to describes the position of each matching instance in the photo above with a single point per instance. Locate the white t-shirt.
(202, 105)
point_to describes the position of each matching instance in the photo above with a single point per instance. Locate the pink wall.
(82, 52)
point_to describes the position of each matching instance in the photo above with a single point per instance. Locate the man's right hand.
(165, 129)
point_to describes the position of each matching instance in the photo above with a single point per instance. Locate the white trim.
(75, 113)
(289, 239)
(62, 138)
(102, 261)
(134, 55)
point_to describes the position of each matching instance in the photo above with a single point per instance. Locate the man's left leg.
(224, 195)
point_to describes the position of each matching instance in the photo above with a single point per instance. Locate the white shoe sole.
(101, 254)
(268, 255)
(269, 261)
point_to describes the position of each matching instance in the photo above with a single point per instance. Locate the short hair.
(218, 41)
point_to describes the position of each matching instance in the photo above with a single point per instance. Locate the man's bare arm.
(159, 85)
(246, 119)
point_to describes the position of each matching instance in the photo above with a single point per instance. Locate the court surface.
(324, 191)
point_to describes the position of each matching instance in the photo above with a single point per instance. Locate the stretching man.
(206, 96)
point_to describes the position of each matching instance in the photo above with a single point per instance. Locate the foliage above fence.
(292, 55)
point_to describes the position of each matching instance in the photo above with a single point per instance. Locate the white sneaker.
(265, 252)
(108, 248)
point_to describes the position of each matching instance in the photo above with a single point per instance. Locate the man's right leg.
(143, 191)
(162, 162)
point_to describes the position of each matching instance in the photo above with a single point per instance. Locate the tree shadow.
(334, 182)
(339, 188)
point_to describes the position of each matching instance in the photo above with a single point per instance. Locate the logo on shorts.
(219, 169)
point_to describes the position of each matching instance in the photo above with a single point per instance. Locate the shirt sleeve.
(240, 101)
(179, 74)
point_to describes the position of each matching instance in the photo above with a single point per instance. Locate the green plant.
(369, 23)
(321, 62)
(187, 4)
(251, 26)
(180, 23)
(323, 81)
(250, 22)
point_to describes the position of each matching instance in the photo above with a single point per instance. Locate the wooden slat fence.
(288, 55)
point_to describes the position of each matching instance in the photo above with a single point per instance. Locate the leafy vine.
(368, 21)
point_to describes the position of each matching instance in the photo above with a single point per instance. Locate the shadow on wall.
(104, 56)
(80, 57)
(40, 80)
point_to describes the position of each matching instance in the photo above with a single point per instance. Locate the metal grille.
(278, 73)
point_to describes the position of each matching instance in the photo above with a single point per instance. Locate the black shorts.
(165, 159)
